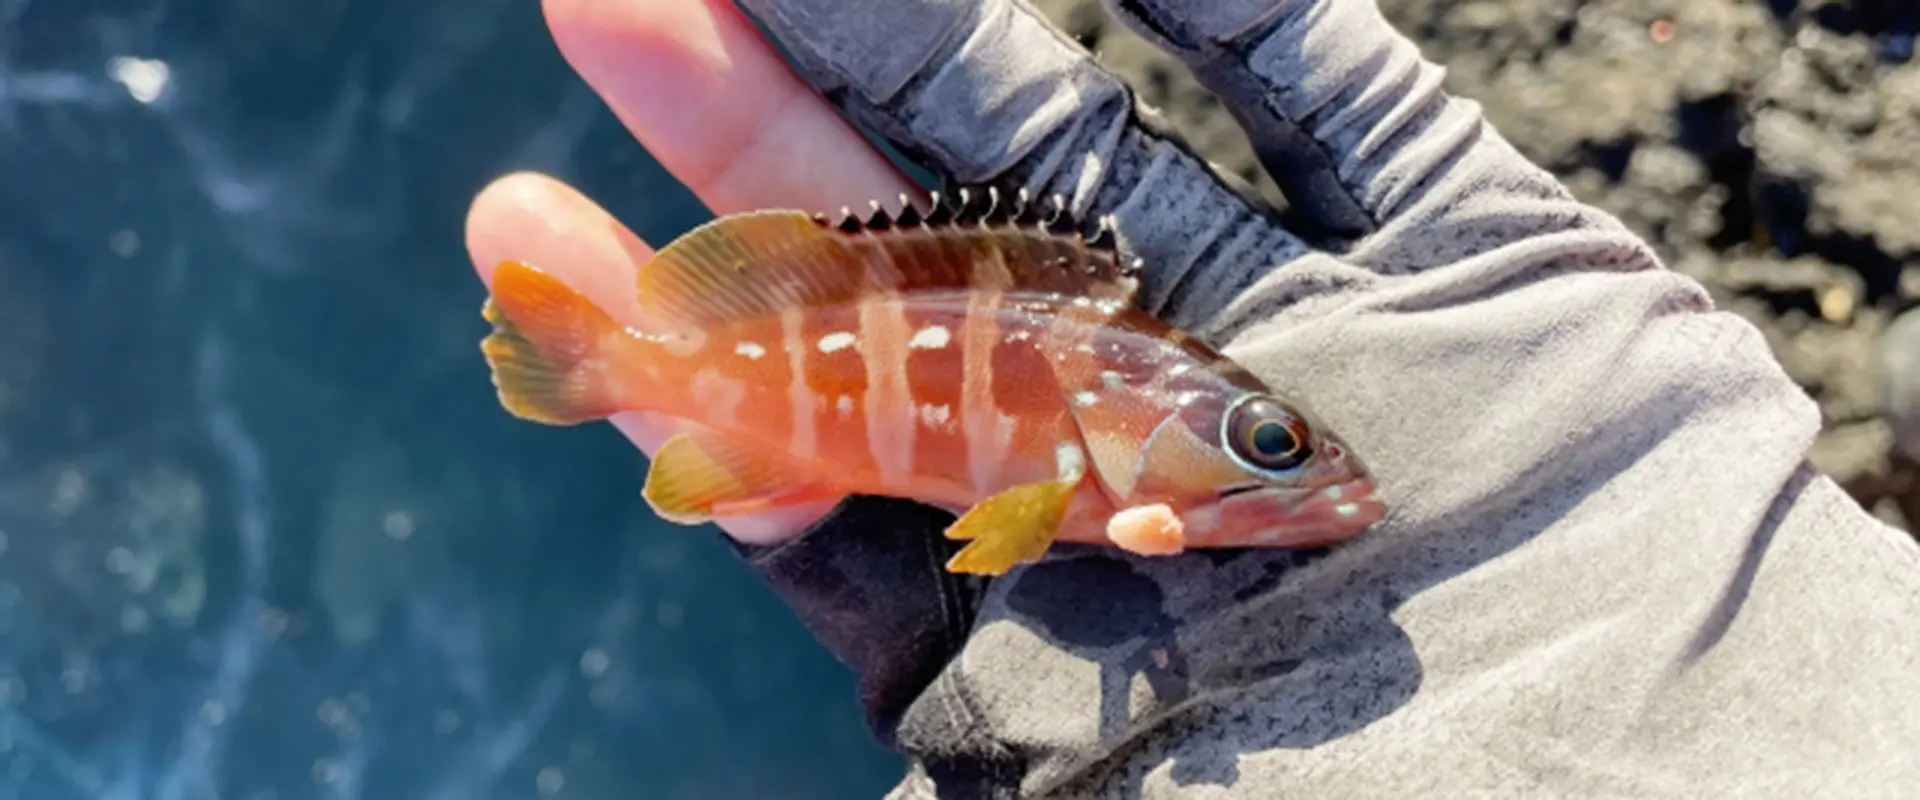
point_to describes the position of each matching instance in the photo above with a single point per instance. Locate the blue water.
(264, 530)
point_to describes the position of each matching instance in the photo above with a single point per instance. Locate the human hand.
(711, 100)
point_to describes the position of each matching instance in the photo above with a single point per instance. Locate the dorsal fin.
(757, 263)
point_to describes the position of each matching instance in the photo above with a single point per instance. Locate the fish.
(987, 356)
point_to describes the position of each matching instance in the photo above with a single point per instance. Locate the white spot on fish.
(1181, 368)
(845, 406)
(932, 337)
(682, 343)
(1070, 460)
(1333, 492)
(1020, 335)
(936, 416)
(1086, 398)
(1082, 302)
(839, 340)
(750, 350)
(1346, 509)
(1083, 348)
(1112, 379)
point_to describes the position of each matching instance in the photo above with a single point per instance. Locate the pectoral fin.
(1012, 527)
(703, 474)
(1018, 524)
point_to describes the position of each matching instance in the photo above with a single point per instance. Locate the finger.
(1319, 124)
(712, 101)
(539, 220)
(533, 218)
(989, 91)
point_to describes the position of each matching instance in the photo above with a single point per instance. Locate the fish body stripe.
(980, 417)
(891, 420)
(805, 438)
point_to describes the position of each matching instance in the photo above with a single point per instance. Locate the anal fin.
(704, 474)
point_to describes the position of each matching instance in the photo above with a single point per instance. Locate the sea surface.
(264, 530)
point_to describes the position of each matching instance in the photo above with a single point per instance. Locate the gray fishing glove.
(1608, 567)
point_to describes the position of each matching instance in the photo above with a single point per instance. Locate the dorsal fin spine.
(756, 263)
(909, 214)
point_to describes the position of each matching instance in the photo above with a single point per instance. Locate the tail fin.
(545, 349)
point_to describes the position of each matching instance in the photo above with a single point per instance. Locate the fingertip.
(499, 211)
(531, 217)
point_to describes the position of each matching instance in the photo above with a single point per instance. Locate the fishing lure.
(986, 356)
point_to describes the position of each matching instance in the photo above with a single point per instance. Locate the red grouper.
(985, 356)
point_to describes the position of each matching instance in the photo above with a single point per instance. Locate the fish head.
(1245, 467)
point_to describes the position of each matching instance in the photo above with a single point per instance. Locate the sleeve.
(1608, 568)
(869, 582)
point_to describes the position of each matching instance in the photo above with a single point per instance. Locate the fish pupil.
(1270, 438)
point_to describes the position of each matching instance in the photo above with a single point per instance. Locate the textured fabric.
(869, 584)
(1608, 568)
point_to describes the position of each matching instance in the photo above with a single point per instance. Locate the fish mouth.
(1304, 517)
(1354, 490)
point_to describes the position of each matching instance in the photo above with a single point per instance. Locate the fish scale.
(986, 356)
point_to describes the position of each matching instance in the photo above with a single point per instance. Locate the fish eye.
(1264, 434)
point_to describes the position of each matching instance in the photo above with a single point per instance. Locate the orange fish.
(985, 356)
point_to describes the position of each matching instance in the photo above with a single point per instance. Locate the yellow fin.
(1017, 525)
(702, 474)
(1013, 527)
(545, 349)
(757, 263)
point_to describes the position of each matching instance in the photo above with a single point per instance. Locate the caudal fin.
(546, 348)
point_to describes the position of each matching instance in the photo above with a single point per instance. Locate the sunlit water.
(264, 531)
